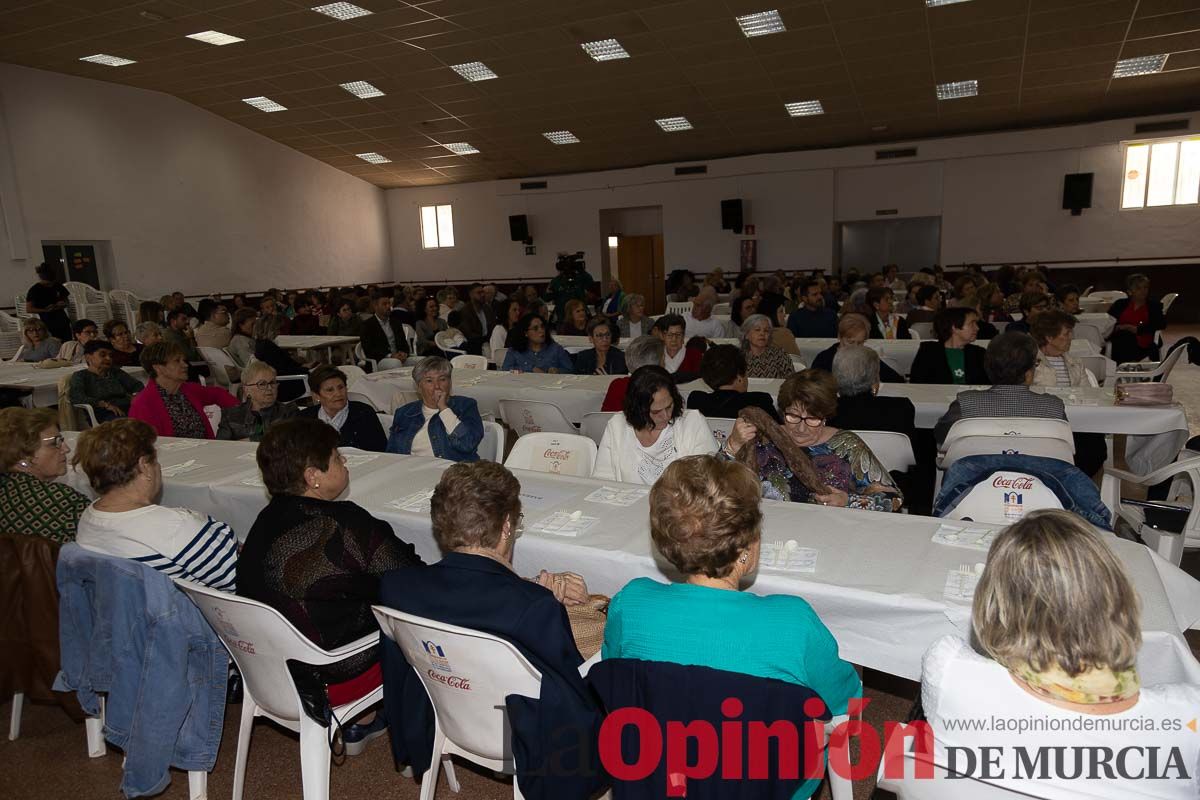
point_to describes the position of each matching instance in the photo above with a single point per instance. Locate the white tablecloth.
(44, 382)
(878, 587)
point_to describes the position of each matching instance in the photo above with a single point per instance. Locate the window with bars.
(1162, 173)
(437, 227)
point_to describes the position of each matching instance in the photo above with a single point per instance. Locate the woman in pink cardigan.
(171, 405)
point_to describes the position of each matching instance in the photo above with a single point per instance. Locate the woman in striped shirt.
(126, 521)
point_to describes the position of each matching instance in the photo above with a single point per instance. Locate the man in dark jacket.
(723, 368)
(476, 319)
(382, 336)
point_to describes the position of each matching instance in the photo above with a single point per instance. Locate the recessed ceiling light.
(936, 3)
(107, 60)
(460, 148)
(264, 104)
(214, 37)
(805, 108)
(957, 89)
(374, 158)
(1142, 65)
(673, 124)
(474, 71)
(341, 10)
(605, 50)
(561, 137)
(761, 23)
(361, 89)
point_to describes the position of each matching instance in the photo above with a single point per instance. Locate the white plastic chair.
(915, 335)
(944, 785)
(1017, 494)
(498, 356)
(124, 305)
(1169, 300)
(469, 362)
(361, 357)
(10, 344)
(261, 642)
(9, 323)
(534, 416)
(921, 330)
(352, 373)
(1185, 475)
(386, 421)
(362, 398)
(450, 341)
(683, 308)
(1086, 291)
(1089, 333)
(721, 309)
(721, 427)
(593, 424)
(89, 302)
(213, 412)
(219, 363)
(491, 447)
(1107, 297)
(19, 301)
(410, 335)
(798, 364)
(893, 450)
(555, 453)
(1142, 371)
(470, 724)
(1034, 436)
(1097, 369)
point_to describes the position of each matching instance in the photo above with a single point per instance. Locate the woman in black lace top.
(316, 559)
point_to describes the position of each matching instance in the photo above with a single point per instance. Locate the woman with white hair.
(859, 406)
(633, 322)
(763, 359)
(440, 424)
(260, 410)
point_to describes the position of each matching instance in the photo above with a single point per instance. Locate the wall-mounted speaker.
(731, 215)
(1077, 191)
(518, 228)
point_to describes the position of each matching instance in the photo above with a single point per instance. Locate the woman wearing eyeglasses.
(260, 410)
(603, 357)
(32, 455)
(805, 460)
(533, 349)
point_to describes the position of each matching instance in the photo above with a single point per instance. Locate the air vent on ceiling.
(696, 169)
(900, 152)
(1162, 126)
(533, 185)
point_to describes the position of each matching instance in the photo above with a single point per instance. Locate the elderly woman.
(574, 319)
(428, 326)
(853, 329)
(1138, 318)
(1053, 331)
(32, 456)
(125, 351)
(266, 329)
(1058, 627)
(260, 410)
(318, 561)
(532, 349)
(953, 358)
(859, 406)
(633, 322)
(677, 359)
(108, 390)
(345, 322)
(706, 520)
(356, 422)
(653, 430)
(476, 516)
(82, 332)
(148, 333)
(806, 460)
(1030, 303)
(885, 323)
(241, 344)
(440, 424)
(170, 404)
(36, 342)
(126, 521)
(763, 360)
(723, 368)
(603, 357)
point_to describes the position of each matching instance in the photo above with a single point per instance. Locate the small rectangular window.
(437, 227)
(1165, 172)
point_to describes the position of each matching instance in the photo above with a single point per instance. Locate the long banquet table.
(879, 587)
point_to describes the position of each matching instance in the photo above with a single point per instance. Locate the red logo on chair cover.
(1012, 483)
(454, 682)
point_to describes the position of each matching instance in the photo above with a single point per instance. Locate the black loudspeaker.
(731, 215)
(518, 227)
(1077, 191)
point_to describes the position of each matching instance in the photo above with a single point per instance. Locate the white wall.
(190, 201)
(999, 197)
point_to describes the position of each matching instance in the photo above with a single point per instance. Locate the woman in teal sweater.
(705, 519)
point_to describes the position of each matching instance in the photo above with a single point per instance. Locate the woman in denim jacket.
(438, 424)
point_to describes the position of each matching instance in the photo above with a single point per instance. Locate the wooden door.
(640, 269)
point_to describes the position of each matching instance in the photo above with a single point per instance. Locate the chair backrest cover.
(534, 416)
(467, 674)
(921, 330)
(593, 424)
(556, 453)
(1008, 435)
(721, 427)
(893, 450)
(469, 362)
(1004, 497)
(491, 447)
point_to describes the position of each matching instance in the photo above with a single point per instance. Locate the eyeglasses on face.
(602, 335)
(796, 419)
(674, 334)
(264, 385)
(54, 441)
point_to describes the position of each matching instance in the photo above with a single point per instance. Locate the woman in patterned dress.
(763, 359)
(32, 455)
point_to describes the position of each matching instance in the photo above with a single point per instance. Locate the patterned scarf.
(1095, 686)
(797, 460)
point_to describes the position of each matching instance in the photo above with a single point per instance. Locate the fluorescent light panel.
(107, 60)
(460, 148)
(264, 104)
(605, 50)
(561, 137)
(474, 71)
(342, 11)
(805, 108)
(673, 124)
(361, 89)
(374, 158)
(936, 3)
(1142, 65)
(214, 37)
(761, 23)
(957, 89)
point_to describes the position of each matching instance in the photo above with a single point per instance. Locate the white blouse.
(623, 458)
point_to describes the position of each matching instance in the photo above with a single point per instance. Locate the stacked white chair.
(88, 302)
(682, 308)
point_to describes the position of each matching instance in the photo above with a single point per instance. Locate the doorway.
(911, 244)
(632, 252)
(79, 261)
